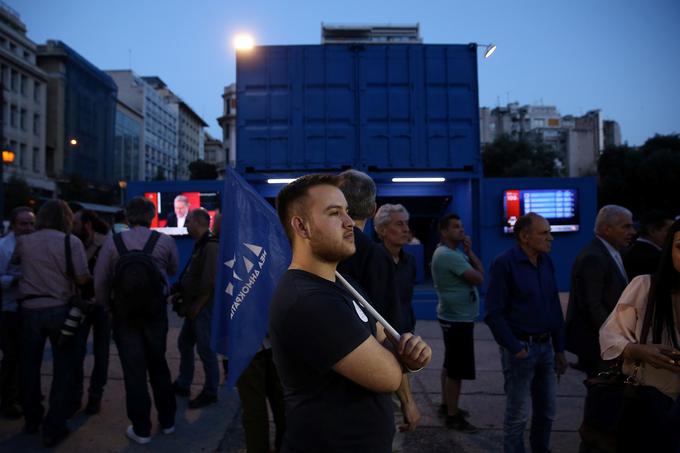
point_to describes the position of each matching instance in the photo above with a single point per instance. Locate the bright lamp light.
(427, 179)
(244, 42)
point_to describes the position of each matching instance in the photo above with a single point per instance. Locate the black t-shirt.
(373, 268)
(313, 324)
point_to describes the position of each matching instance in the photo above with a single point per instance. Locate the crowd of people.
(330, 371)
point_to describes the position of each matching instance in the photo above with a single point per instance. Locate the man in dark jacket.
(197, 284)
(597, 280)
(643, 256)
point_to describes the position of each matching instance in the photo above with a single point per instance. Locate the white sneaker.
(130, 432)
(170, 430)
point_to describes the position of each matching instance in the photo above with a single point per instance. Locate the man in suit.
(177, 218)
(643, 256)
(597, 280)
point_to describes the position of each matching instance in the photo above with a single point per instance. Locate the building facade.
(128, 156)
(228, 123)
(577, 141)
(81, 116)
(159, 158)
(215, 154)
(23, 99)
(189, 130)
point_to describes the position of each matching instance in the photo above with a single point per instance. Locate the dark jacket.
(198, 280)
(596, 284)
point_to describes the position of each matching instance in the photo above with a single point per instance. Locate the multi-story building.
(374, 34)
(159, 158)
(128, 155)
(190, 127)
(228, 123)
(23, 99)
(215, 153)
(612, 133)
(578, 141)
(81, 115)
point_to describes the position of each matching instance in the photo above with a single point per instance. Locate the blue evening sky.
(620, 56)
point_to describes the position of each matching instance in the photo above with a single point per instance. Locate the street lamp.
(7, 159)
(122, 184)
(244, 42)
(489, 49)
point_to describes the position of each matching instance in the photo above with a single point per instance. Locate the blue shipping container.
(370, 107)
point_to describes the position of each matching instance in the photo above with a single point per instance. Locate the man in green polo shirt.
(456, 274)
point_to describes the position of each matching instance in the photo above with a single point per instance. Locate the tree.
(642, 178)
(506, 157)
(200, 169)
(17, 193)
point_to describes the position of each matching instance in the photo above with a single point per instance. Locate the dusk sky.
(620, 56)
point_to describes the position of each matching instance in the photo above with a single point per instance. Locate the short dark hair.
(524, 223)
(654, 219)
(119, 217)
(140, 211)
(55, 215)
(15, 213)
(360, 191)
(444, 221)
(288, 199)
(98, 225)
(201, 215)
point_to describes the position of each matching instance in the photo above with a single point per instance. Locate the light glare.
(432, 179)
(244, 42)
(280, 180)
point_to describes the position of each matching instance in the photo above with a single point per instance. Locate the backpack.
(138, 289)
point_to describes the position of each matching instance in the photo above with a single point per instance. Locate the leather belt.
(534, 337)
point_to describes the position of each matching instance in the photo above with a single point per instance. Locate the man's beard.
(331, 253)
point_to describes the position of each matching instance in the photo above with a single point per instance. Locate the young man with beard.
(336, 364)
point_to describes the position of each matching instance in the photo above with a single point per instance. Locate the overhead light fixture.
(429, 179)
(280, 180)
(489, 49)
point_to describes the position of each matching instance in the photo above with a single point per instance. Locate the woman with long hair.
(643, 330)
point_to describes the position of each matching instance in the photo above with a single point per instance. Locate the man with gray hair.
(372, 266)
(597, 280)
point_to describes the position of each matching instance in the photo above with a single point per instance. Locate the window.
(4, 77)
(14, 116)
(22, 119)
(22, 155)
(36, 159)
(24, 85)
(36, 124)
(14, 80)
(36, 91)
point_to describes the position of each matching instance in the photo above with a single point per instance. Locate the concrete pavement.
(218, 427)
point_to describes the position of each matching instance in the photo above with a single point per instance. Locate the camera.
(79, 308)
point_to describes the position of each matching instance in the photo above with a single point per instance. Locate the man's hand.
(467, 244)
(657, 355)
(411, 416)
(522, 354)
(413, 352)
(560, 364)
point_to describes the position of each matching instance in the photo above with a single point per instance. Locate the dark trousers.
(10, 335)
(37, 326)
(196, 332)
(259, 383)
(141, 347)
(98, 321)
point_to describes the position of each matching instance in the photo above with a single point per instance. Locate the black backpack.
(138, 290)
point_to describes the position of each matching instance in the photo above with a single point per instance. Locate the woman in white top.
(653, 301)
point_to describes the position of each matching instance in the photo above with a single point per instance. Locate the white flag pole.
(364, 303)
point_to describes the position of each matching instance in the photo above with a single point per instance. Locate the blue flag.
(254, 254)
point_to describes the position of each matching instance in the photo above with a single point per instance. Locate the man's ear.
(299, 226)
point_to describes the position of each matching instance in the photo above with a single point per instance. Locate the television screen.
(558, 206)
(172, 208)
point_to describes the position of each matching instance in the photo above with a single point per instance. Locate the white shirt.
(180, 222)
(616, 256)
(8, 273)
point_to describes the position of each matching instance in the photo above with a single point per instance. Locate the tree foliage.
(510, 158)
(17, 193)
(200, 169)
(642, 178)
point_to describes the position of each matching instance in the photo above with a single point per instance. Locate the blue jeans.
(532, 377)
(197, 332)
(37, 326)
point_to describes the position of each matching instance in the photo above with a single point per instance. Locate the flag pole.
(364, 303)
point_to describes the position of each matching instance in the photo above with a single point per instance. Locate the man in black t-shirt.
(336, 365)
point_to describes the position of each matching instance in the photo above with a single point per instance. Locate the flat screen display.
(172, 208)
(558, 206)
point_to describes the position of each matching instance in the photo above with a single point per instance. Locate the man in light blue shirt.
(456, 273)
(22, 221)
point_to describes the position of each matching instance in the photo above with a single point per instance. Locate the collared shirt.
(616, 256)
(405, 279)
(522, 299)
(164, 254)
(647, 241)
(8, 273)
